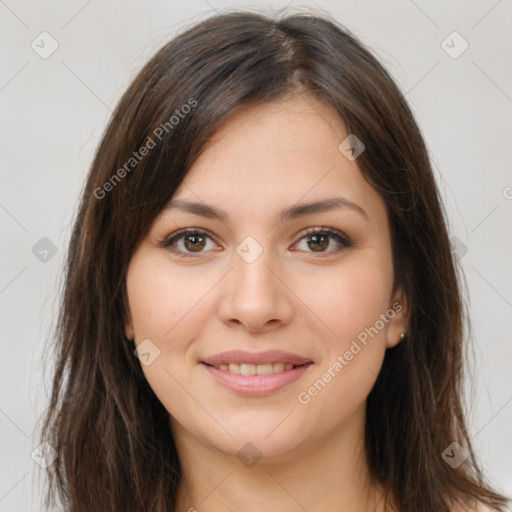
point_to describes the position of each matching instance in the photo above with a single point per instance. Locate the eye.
(194, 241)
(190, 242)
(319, 239)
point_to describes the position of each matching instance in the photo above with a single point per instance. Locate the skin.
(291, 297)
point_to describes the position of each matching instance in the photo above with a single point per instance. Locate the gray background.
(54, 109)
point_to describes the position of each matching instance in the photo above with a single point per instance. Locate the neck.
(324, 475)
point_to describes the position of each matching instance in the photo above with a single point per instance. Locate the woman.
(261, 309)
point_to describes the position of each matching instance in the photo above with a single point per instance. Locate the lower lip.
(257, 385)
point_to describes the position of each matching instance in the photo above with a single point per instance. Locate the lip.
(269, 356)
(257, 385)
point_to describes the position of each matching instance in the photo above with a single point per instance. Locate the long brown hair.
(111, 434)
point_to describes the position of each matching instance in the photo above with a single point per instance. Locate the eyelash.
(171, 239)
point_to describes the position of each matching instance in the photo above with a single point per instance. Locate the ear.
(129, 331)
(399, 314)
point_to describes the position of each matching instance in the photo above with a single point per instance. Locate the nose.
(255, 295)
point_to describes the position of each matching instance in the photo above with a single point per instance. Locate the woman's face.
(255, 280)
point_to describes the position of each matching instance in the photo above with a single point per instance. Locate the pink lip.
(257, 385)
(269, 356)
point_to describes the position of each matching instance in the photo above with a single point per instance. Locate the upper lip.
(269, 356)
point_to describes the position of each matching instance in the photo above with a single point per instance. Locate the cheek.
(351, 306)
(350, 298)
(162, 300)
(166, 308)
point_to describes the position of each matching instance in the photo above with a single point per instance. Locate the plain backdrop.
(55, 107)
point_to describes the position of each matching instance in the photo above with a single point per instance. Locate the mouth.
(248, 359)
(256, 374)
(255, 369)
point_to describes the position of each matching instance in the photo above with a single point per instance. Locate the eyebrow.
(290, 213)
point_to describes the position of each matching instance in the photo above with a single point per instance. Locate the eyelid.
(184, 231)
(323, 229)
(176, 235)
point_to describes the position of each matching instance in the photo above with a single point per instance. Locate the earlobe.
(399, 314)
(129, 332)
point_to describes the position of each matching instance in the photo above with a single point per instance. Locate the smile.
(255, 369)
(256, 380)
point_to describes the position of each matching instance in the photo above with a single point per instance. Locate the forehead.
(289, 128)
(269, 156)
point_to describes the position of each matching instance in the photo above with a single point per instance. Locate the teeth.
(254, 369)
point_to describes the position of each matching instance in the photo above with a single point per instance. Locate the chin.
(267, 438)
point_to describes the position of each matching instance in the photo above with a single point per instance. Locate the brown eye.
(188, 242)
(319, 240)
(194, 243)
